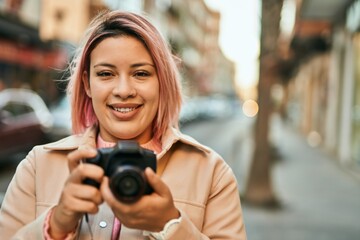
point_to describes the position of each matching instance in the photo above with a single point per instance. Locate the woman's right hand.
(77, 198)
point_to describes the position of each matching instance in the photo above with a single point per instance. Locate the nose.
(124, 88)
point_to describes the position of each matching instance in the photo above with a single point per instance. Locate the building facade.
(25, 59)
(325, 92)
(192, 29)
(190, 26)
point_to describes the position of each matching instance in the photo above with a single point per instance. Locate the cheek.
(149, 92)
(98, 91)
(155, 99)
(97, 102)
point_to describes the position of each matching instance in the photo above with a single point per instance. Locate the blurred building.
(25, 59)
(37, 39)
(193, 31)
(53, 28)
(324, 94)
(66, 20)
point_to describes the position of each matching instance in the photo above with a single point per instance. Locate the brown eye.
(141, 74)
(103, 74)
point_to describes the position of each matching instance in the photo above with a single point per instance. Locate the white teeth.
(124, 110)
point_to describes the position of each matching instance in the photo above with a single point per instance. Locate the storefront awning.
(44, 59)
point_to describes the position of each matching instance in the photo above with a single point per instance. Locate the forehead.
(120, 48)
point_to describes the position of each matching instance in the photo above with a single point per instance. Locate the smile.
(124, 110)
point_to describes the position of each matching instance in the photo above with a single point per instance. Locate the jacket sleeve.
(223, 215)
(18, 211)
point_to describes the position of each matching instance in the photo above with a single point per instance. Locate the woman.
(124, 86)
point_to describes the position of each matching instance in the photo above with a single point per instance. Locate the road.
(228, 137)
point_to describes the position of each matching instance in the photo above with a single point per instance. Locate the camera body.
(124, 164)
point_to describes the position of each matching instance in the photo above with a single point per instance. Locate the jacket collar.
(171, 136)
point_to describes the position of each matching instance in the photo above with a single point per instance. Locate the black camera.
(124, 164)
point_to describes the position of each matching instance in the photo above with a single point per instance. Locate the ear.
(86, 82)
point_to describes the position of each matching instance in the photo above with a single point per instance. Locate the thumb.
(156, 183)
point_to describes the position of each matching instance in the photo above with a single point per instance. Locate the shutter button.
(103, 224)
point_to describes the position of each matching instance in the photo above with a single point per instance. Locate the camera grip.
(91, 182)
(95, 160)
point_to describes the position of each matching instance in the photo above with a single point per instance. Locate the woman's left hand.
(150, 212)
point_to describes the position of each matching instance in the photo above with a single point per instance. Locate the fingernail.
(92, 151)
(149, 171)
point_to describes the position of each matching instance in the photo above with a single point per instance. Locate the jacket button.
(102, 224)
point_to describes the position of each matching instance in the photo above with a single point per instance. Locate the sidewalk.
(320, 200)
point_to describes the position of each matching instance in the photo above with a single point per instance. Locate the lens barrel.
(127, 183)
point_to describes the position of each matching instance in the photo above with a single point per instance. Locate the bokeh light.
(250, 108)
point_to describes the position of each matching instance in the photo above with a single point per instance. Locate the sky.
(239, 36)
(240, 31)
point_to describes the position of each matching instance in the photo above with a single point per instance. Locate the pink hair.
(118, 23)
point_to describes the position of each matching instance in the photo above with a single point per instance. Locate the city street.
(319, 199)
(229, 60)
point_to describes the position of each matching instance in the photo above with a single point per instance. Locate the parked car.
(24, 121)
(207, 108)
(61, 113)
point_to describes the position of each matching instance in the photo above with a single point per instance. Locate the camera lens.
(128, 183)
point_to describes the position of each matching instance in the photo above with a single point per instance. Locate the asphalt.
(319, 199)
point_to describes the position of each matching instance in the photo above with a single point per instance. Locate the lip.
(125, 112)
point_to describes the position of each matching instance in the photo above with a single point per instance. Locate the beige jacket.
(202, 184)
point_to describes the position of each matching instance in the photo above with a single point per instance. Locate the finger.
(106, 192)
(73, 204)
(86, 192)
(77, 156)
(77, 198)
(84, 171)
(109, 196)
(123, 211)
(157, 184)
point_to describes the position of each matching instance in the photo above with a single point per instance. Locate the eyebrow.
(103, 64)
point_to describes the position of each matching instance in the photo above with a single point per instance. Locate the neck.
(151, 145)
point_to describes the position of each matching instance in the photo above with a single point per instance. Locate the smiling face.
(124, 88)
